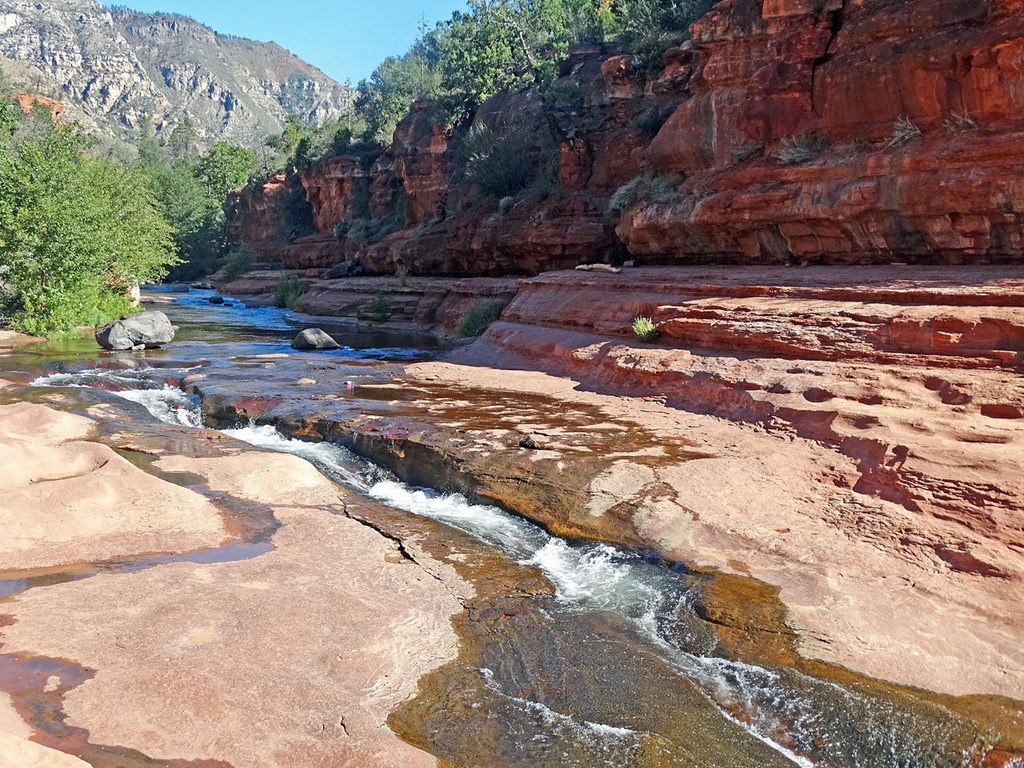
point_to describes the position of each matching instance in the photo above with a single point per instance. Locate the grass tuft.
(645, 329)
(479, 317)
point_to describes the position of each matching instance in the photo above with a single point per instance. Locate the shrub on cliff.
(479, 317)
(650, 27)
(802, 148)
(903, 132)
(379, 309)
(289, 291)
(645, 329)
(76, 233)
(649, 187)
(236, 264)
(503, 163)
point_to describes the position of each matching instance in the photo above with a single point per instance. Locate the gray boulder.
(314, 338)
(142, 331)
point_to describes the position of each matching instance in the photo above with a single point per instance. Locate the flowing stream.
(776, 716)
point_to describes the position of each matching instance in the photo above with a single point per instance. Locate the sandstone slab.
(292, 658)
(66, 500)
(891, 476)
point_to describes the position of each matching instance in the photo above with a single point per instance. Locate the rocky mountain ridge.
(127, 75)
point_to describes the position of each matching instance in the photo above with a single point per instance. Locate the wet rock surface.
(889, 463)
(208, 633)
(67, 499)
(426, 305)
(618, 462)
(906, 446)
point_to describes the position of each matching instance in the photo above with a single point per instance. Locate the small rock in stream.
(314, 338)
(529, 442)
(216, 299)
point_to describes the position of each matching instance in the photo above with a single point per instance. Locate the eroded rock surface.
(782, 132)
(281, 658)
(423, 304)
(863, 424)
(68, 500)
(851, 436)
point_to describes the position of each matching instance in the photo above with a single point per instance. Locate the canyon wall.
(910, 113)
(784, 131)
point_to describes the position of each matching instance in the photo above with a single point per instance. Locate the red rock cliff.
(947, 186)
(780, 145)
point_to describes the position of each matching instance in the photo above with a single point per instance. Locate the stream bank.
(651, 640)
(835, 432)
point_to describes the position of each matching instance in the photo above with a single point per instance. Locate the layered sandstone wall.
(853, 429)
(846, 73)
(710, 139)
(414, 209)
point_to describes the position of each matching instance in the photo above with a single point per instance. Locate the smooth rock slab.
(144, 330)
(293, 659)
(314, 338)
(66, 499)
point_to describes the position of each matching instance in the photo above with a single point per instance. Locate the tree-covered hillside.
(498, 45)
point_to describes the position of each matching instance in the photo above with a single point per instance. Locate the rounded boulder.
(145, 330)
(314, 338)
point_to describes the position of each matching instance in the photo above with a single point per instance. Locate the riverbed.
(587, 653)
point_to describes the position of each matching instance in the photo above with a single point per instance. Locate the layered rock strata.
(843, 434)
(902, 123)
(816, 131)
(432, 305)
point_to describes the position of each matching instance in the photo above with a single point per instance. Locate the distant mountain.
(126, 74)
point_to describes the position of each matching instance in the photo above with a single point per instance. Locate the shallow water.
(615, 669)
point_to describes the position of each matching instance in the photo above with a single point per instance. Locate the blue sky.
(344, 38)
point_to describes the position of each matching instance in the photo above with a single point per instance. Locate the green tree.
(183, 141)
(384, 99)
(196, 217)
(495, 45)
(10, 113)
(294, 131)
(650, 27)
(303, 155)
(75, 232)
(225, 167)
(10, 119)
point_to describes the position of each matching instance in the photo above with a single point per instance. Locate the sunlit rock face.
(915, 110)
(126, 74)
(783, 132)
